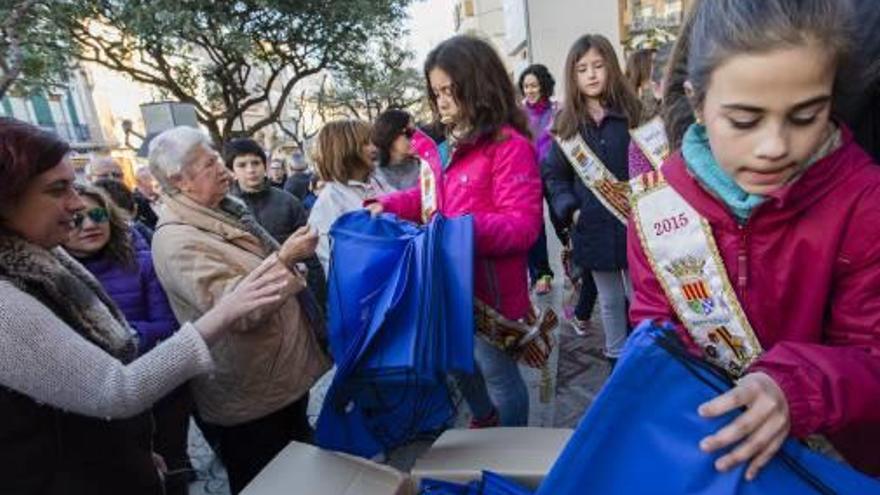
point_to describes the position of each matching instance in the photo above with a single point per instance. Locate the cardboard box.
(524, 455)
(302, 469)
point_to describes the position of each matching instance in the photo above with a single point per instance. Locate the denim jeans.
(615, 289)
(496, 380)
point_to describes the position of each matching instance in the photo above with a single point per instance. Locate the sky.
(430, 23)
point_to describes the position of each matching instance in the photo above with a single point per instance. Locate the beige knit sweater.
(46, 360)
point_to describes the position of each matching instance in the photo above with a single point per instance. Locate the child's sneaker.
(490, 421)
(580, 326)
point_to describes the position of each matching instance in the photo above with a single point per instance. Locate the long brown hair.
(120, 246)
(617, 94)
(338, 151)
(482, 88)
(638, 68)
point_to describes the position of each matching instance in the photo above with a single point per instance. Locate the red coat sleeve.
(836, 382)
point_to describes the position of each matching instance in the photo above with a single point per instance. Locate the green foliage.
(34, 51)
(230, 58)
(382, 79)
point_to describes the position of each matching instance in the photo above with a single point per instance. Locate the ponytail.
(676, 109)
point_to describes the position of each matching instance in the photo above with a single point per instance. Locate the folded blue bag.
(400, 319)
(490, 484)
(642, 435)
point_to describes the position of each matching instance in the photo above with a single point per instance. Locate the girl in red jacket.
(487, 168)
(760, 237)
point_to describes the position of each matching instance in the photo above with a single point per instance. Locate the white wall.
(554, 25)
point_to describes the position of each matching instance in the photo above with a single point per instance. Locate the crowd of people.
(725, 183)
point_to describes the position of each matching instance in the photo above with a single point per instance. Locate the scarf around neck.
(68, 290)
(701, 162)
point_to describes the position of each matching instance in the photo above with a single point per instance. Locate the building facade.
(542, 31)
(68, 111)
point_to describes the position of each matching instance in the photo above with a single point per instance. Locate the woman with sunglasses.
(392, 135)
(106, 243)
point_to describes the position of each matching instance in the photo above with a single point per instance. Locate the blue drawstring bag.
(400, 319)
(490, 484)
(642, 435)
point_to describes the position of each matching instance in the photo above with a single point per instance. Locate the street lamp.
(128, 129)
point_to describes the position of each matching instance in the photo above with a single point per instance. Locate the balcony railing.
(72, 133)
(647, 23)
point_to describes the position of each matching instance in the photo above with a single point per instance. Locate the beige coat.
(272, 358)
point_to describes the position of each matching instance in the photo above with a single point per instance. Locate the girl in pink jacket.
(760, 238)
(487, 168)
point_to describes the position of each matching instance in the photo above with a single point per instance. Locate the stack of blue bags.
(489, 484)
(400, 319)
(642, 434)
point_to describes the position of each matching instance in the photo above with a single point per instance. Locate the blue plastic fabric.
(641, 435)
(400, 319)
(490, 484)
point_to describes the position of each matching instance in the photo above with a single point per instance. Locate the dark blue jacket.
(599, 238)
(281, 214)
(137, 292)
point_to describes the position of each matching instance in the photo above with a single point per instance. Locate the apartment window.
(6, 107)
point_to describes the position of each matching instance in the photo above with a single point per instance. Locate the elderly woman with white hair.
(205, 243)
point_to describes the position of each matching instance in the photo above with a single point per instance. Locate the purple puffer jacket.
(638, 162)
(137, 293)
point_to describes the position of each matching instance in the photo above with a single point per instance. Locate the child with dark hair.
(278, 211)
(487, 168)
(758, 239)
(639, 68)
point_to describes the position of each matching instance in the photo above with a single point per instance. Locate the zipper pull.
(742, 276)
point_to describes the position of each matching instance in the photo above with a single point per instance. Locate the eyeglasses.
(97, 215)
(408, 132)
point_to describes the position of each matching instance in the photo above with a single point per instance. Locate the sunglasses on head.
(97, 215)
